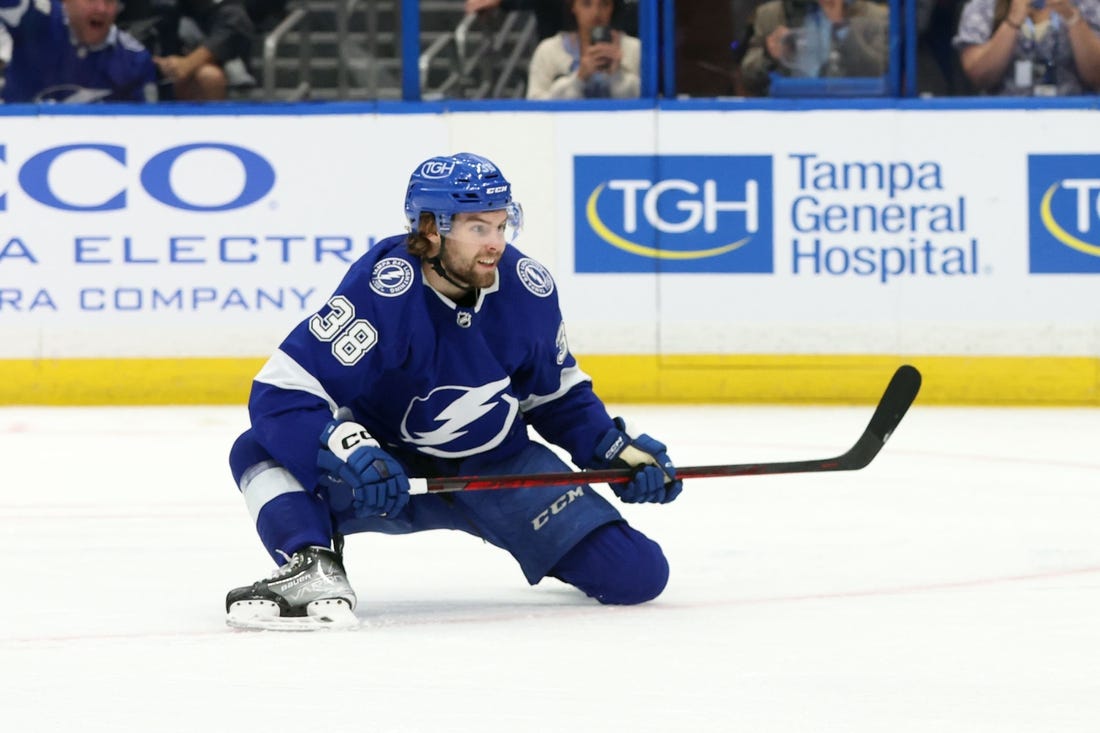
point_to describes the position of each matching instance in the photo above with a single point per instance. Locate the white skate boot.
(311, 591)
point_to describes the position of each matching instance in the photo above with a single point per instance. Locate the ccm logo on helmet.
(437, 169)
(496, 189)
(155, 178)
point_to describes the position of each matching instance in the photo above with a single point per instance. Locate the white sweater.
(552, 76)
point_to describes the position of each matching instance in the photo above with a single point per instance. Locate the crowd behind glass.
(68, 51)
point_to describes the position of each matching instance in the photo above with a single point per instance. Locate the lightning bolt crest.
(471, 405)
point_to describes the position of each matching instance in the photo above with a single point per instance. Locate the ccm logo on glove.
(348, 436)
(352, 460)
(615, 449)
(654, 477)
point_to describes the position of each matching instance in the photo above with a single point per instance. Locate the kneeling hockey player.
(446, 345)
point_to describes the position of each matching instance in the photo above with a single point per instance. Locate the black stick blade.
(895, 402)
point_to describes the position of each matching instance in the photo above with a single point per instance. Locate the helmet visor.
(513, 225)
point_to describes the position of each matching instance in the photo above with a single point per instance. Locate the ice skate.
(311, 591)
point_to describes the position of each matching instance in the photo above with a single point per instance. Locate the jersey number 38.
(351, 337)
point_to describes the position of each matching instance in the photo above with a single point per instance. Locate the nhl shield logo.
(464, 319)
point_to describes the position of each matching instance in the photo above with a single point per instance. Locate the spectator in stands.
(577, 64)
(1031, 47)
(815, 38)
(201, 47)
(71, 51)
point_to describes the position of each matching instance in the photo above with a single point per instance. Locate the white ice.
(953, 585)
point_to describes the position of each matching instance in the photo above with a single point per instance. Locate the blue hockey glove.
(378, 484)
(655, 478)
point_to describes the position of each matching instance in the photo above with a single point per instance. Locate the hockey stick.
(895, 401)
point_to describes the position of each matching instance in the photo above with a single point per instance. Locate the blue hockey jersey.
(438, 384)
(47, 65)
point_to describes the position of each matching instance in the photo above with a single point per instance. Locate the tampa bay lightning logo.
(456, 421)
(391, 277)
(535, 277)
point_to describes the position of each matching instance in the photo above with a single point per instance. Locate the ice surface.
(953, 585)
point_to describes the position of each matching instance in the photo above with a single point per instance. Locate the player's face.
(475, 246)
(91, 20)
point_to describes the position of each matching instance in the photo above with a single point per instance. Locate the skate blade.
(332, 615)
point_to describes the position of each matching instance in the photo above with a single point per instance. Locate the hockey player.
(446, 345)
(71, 51)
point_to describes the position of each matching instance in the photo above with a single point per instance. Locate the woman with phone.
(1031, 47)
(592, 61)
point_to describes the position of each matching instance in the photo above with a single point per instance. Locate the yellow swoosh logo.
(640, 249)
(1047, 217)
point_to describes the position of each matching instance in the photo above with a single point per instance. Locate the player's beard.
(468, 271)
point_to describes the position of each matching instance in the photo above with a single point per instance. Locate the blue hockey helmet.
(454, 184)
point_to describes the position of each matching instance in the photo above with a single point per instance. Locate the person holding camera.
(1031, 47)
(815, 38)
(592, 61)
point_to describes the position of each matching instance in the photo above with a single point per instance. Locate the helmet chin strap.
(437, 266)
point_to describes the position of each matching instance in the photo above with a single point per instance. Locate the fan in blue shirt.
(71, 51)
(435, 355)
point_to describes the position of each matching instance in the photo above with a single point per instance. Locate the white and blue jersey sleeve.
(557, 396)
(441, 385)
(48, 66)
